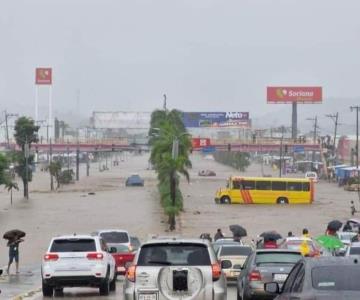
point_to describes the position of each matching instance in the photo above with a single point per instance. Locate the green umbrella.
(329, 242)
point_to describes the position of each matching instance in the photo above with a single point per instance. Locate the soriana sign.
(286, 94)
(43, 76)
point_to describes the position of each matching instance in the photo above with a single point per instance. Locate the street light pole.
(356, 108)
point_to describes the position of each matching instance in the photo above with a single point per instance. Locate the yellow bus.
(266, 190)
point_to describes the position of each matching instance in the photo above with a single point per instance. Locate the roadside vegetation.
(170, 148)
(237, 160)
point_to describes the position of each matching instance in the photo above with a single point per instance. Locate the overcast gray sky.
(205, 55)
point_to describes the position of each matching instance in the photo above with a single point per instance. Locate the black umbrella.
(238, 231)
(14, 234)
(334, 225)
(271, 235)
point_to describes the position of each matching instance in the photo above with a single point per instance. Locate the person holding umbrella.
(14, 238)
(218, 235)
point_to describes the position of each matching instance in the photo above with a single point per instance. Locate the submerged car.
(174, 268)
(134, 180)
(324, 278)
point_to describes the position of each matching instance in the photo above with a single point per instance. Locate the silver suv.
(165, 269)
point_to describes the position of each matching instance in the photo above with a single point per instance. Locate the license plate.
(120, 269)
(234, 274)
(280, 277)
(147, 296)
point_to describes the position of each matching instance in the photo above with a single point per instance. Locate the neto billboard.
(216, 119)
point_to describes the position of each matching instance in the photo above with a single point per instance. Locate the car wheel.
(104, 288)
(58, 292)
(225, 200)
(113, 282)
(282, 200)
(238, 296)
(47, 290)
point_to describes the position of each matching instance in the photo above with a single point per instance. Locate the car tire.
(104, 288)
(47, 290)
(282, 200)
(59, 292)
(238, 296)
(113, 282)
(225, 200)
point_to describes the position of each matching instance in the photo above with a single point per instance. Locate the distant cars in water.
(134, 180)
(206, 173)
(225, 241)
(324, 278)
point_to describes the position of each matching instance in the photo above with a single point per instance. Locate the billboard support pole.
(50, 110)
(294, 121)
(36, 103)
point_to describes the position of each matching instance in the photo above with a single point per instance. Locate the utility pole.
(7, 127)
(281, 154)
(335, 118)
(314, 138)
(51, 177)
(357, 108)
(165, 102)
(27, 154)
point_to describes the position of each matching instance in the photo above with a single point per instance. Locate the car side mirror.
(226, 264)
(272, 288)
(112, 250)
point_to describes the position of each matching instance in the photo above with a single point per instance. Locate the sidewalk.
(28, 280)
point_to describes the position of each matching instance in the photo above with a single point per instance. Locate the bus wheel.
(225, 200)
(282, 200)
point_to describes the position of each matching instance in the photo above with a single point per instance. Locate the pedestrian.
(347, 227)
(305, 233)
(218, 235)
(290, 234)
(352, 208)
(14, 253)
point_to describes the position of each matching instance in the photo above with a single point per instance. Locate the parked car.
(76, 261)
(303, 244)
(312, 175)
(324, 278)
(123, 256)
(225, 241)
(206, 173)
(174, 268)
(262, 266)
(353, 249)
(115, 237)
(354, 224)
(134, 180)
(135, 243)
(232, 258)
(345, 237)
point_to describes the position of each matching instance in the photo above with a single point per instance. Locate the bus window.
(279, 186)
(306, 186)
(248, 185)
(294, 186)
(263, 185)
(236, 185)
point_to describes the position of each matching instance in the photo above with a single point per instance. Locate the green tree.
(54, 169)
(10, 186)
(4, 163)
(25, 133)
(166, 127)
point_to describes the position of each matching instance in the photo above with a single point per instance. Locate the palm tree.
(10, 185)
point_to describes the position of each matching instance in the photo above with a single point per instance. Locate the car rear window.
(165, 254)
(355, 250)
(338, 278)
(296, 245)
(73, 245)
(233, 251)
(121, 248)
(114, 237)
(277, 257)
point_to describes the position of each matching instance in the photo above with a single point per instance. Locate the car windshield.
(182, 254)
(276, 258)
(73, 245)
(113, 237)
(355, 250)
(235, 251)
(121, 248)
(337, 278)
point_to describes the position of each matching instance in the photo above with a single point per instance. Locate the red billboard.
(289, 94)
(200, 142)
(43, 76)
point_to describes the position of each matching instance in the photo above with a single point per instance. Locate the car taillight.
(216, 271)
(51, 257)
(131, 273)
(255, 276)
(95, 255)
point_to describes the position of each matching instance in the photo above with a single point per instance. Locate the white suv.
(78, 260)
